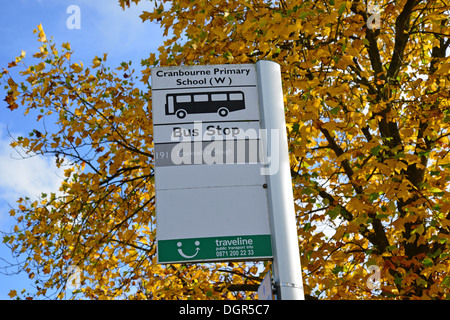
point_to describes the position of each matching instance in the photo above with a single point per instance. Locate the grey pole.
(287, 273)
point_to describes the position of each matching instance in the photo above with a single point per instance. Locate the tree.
(367, 108)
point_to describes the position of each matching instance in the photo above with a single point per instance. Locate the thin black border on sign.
(209, 87)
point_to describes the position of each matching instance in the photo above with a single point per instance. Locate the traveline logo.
(225, 145)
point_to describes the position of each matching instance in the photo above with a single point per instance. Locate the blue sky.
(104, 28)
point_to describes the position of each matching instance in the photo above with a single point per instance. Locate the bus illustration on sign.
(223, 102)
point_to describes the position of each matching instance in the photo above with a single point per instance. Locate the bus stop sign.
(211, 197)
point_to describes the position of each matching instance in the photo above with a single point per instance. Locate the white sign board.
(211, 198)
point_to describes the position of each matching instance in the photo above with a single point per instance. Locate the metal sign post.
(286, 260)
(222, 174)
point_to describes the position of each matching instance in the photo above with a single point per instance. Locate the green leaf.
(381, 216)
(420, 229)
(342, 8)
(446, 281)
(435, 172)
(427, 262)
(335, 111)
(306, 227)
(435, 190)
(390, 248)
(309, 254)
(373, 196)
(376, 150)
(333, 213)
(435, 254)
(337, 269)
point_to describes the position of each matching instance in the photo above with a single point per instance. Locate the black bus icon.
(223, 102)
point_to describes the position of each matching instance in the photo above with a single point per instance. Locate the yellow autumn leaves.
(369, 153)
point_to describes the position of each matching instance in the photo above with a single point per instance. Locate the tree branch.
(345, 164)
(401, 38)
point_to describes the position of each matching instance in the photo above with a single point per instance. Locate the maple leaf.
(12, 64)
(12, 293)
(10, 100)
(40, 31)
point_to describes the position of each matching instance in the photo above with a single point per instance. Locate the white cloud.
(24, 177)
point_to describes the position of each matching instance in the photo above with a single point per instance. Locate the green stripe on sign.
(246, 247)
